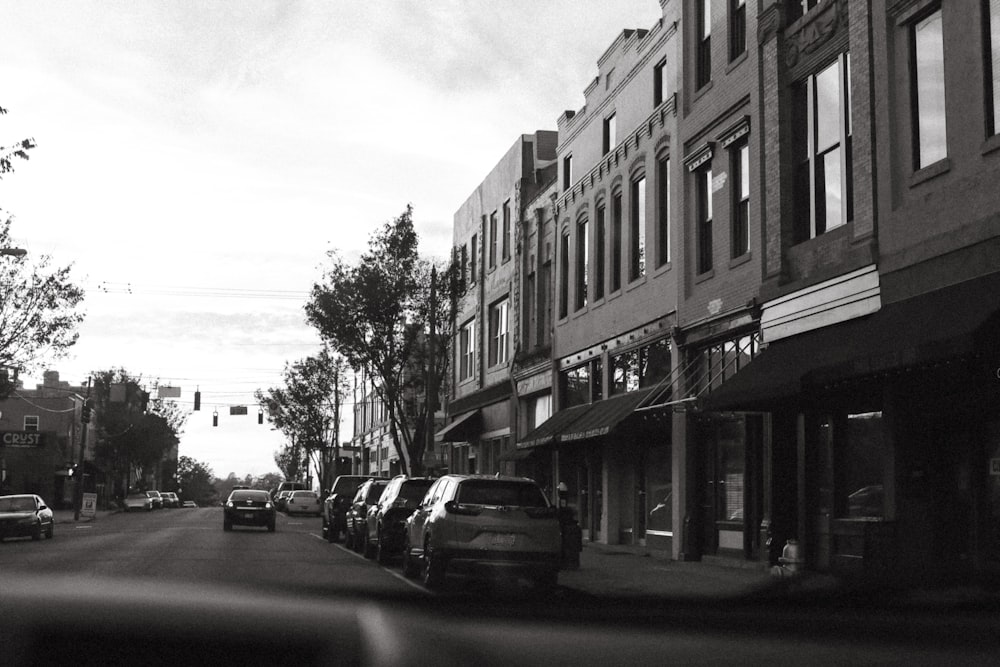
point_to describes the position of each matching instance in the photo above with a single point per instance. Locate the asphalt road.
(189, 545)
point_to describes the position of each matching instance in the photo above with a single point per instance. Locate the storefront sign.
(22, 439)
(995, 466)
(89, 505)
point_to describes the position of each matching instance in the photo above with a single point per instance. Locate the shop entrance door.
(723, 447)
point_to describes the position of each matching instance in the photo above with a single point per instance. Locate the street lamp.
(13, 252)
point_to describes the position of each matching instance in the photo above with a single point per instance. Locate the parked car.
(157, 500)
(189, 503)
(138, 501)
(248, 507)
(170, 499)
(281, 499)
(303, 502)
(292, 486)
(25, 515)
(338, 502)
(387, 520)
(473, 523)
(357, 516)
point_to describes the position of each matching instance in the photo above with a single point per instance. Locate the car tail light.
(549, 512)
(453, 507)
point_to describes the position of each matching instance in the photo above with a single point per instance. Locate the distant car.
(338, 502)
(138, 501)
(357, 516)
(248, 507)
(281, 499)
(292, 486)
(170, 499)
(25, 515)
(387, 520)
(157, 500)
(303, 502)
(190, 503)
(474, 522)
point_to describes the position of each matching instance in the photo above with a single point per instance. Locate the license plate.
(248, 515)
(502, 540)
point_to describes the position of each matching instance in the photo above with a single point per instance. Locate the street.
(189, 545)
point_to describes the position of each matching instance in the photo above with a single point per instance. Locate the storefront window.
(655, 363)
(731, 466)
(575, 386)
(862, 467)
(659, 491)
(625, 372)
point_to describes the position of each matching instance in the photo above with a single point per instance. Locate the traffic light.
(85, 414)
(215, 418)
(197, 400)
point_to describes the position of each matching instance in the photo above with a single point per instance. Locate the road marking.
(318, 537)
(395, 574)
(294, 523)
(82, 527)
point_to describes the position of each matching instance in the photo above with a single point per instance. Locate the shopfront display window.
(659, 491)
(862, 467)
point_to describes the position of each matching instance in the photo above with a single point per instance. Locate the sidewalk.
(66, 516)
(618, 570)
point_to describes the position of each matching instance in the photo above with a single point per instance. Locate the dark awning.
(516, 454)
(925, 329)
(463, 429)
(603, 416)
(546, 432)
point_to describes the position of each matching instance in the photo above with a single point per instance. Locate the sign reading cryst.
(22, 439)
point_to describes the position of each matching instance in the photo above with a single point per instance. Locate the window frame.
(704, 212)
(991, 66)
(33, 426)
(663, 210)
(499, 332)
(600, 248)
(659, 82)
(581, 263)
(473, 258)
(737, 28)
(610, 137)
(467, 351)
(567, 172)
(616, 241)
(637, 227)
(703, 44)
(493, 240)
(564, 274)
(505, 243)
(918, 136)
(740, 169)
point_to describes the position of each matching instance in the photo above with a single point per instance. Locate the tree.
(377, 315)
(17, 150)
(307, 410)
(195, 480)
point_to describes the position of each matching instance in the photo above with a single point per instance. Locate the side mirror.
(42, 507)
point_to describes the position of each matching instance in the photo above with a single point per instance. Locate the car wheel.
(270, 527)
(368, 547)
(358, 541)
(227, 526)
(381, 553)
(434, 567)
(409, 563)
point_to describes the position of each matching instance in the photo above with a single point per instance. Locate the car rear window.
(249, 495)
(415, 489)
(375, 492)
(500, 493)
(347, 485)
(304, 494)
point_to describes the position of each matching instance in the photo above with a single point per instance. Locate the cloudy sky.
(196, 160)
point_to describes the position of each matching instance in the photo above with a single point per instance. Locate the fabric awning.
(546, 432)
(603, 416)
(931, 327)
(463, 429)
(516, 455)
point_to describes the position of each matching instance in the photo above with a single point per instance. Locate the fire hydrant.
(792, 560)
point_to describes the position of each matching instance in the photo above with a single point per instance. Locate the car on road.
(338, 502)
(170, 499)
(365, 499)
(387, 520)
(476, 523)
(25, 515)
(248, 507)
(281, 499)
(156, 498)
(303, 502)
(138, 501)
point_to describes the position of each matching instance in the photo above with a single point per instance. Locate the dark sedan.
(387, 520)
(248, 507)
(25, 515)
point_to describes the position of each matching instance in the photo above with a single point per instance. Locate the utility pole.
(430, 390)
(85, 421)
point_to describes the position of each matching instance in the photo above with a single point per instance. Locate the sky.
(197, 160)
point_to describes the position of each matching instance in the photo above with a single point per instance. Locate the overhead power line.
(106, 287)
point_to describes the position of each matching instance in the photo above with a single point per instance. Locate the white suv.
(476, 522)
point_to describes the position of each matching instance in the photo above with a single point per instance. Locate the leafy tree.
(195, 481)
(307, 410)
(17, 150)
(377, 315)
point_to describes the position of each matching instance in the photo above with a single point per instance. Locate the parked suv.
(337, 502)
(387, 523)
(471, 522)
(364, 501)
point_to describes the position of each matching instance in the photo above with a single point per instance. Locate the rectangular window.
(624, 372)
(610, 141)
(581, 264)
(798, 8)
(858, 484)
(529, 318)
(599, 251)
(506, 230)
(637, 242)
(474, 259)
(737, 28)
(31, 423)
(740, 170)
(563, 275)
(703, 203)
(663, 210)
(493, 239)
(659, 82)
(464, 263)
(703, 44)
(992, 30)
(575, 386)
(616, 242)
(927, 63)
(823, 147)
(467, 350)
(567, 172)
(499, 332)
